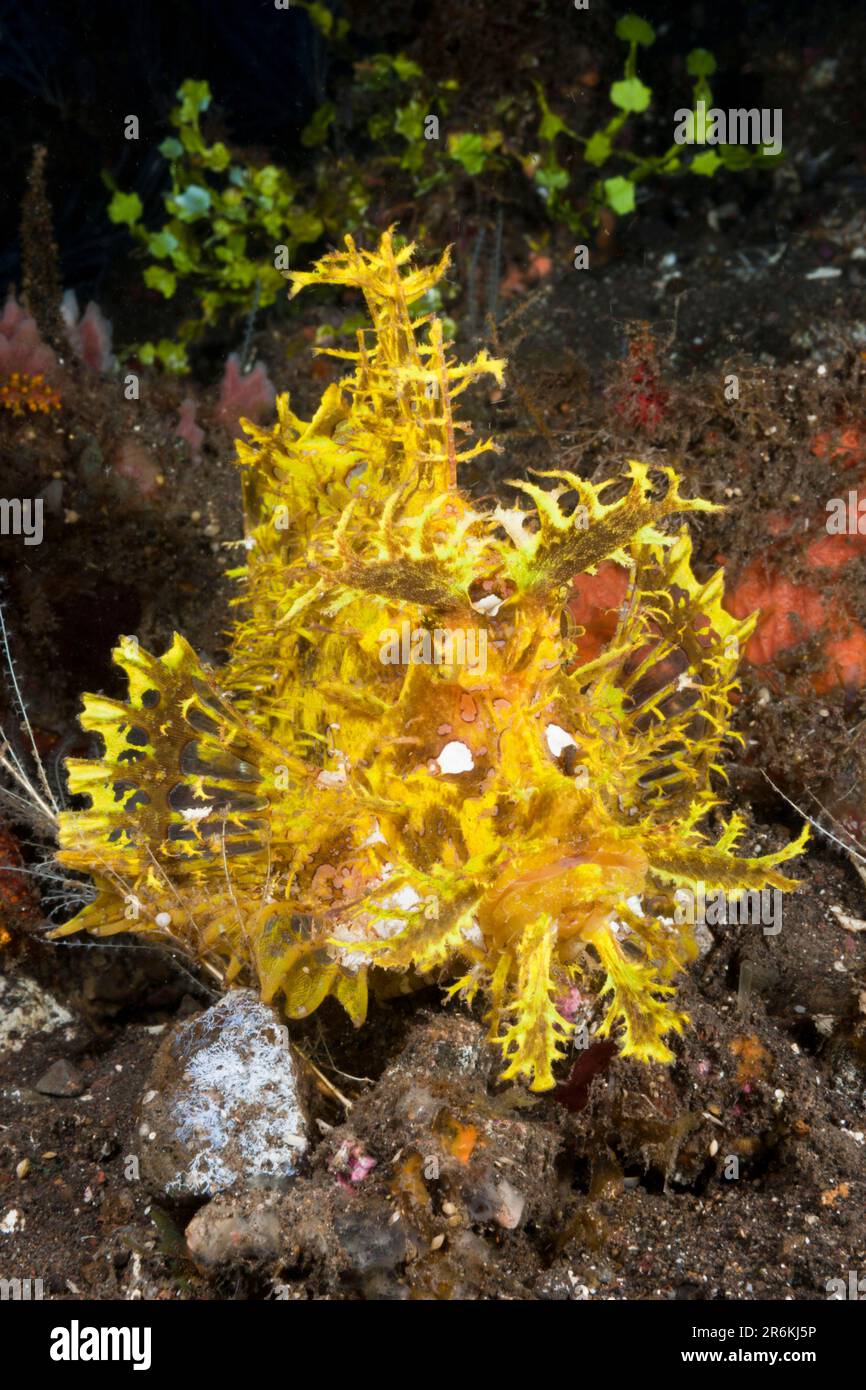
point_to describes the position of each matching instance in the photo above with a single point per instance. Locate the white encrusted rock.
(25, 1010)
(224, 1108)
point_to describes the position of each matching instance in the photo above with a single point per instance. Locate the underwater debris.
(50, 321)
(40, 258)
(312, 815)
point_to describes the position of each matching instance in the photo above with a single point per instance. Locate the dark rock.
(371, 1239)
(227, 1232)
(61, 1079)
(491, 1200)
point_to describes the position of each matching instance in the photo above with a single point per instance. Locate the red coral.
(834, 552)
(640, 396)
(847, 445)
(19, 905)
(791, 613)
(594, 605)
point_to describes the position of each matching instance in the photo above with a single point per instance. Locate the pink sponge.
(187, 428)
(89, 334)
(249, 395)
(21, 348)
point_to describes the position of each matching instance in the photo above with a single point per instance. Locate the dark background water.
(71, 71)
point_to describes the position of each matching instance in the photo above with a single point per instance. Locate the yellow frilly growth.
(401, 768)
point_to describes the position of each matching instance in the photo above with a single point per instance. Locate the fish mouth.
(576, 890)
